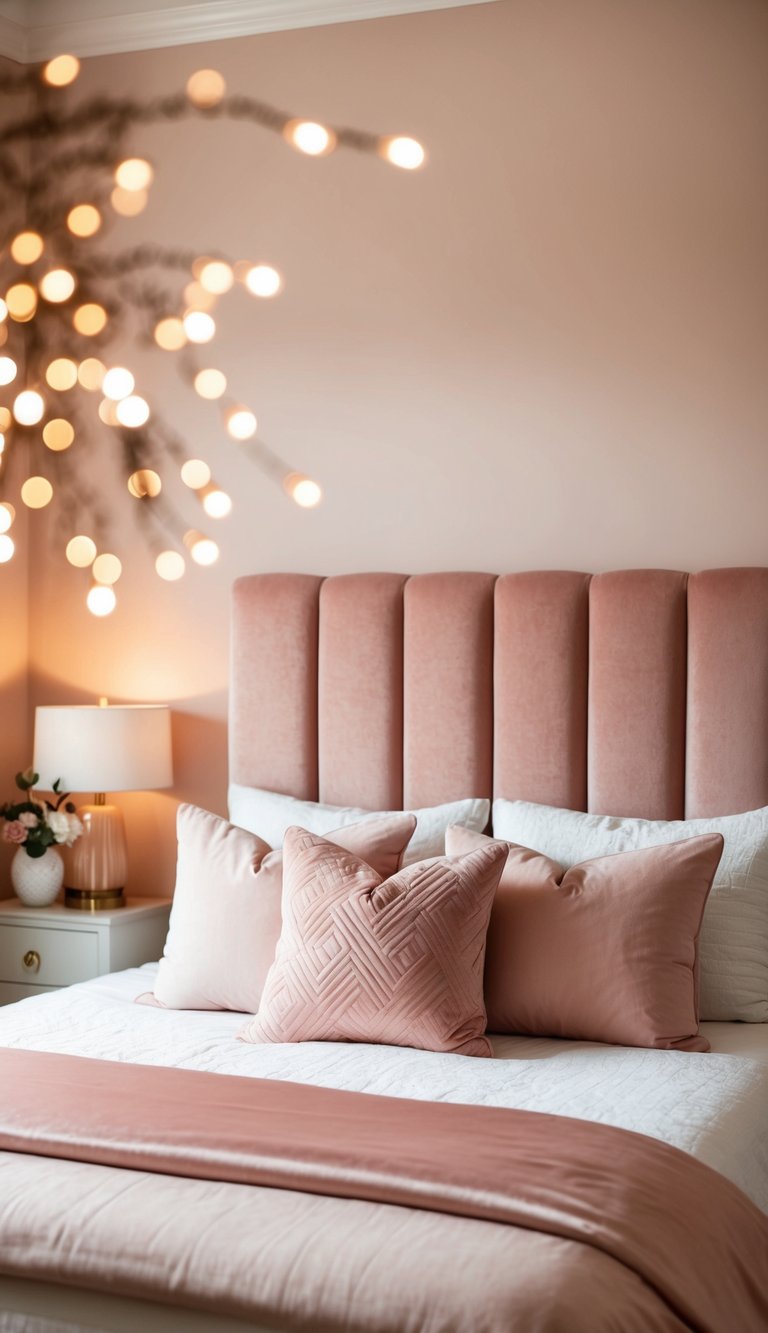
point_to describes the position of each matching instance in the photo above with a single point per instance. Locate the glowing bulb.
(107, 568)
(81, 552)
(205, 88)
(60, 71)
(241, 423)
(203, 550)
(57, 285)
(27, 247)
(210, 383)
(3, 311)
(91, 373)
(8, 370)
(118, 383)
(7, 549)
(263, 280)
(309, 137)
(402, 151)
(216, 277)
(135, 173)
(216, 503)
(28, 407)
(37, 492)
(58, 434)
(195, 474)
(21, 300)
(108, 412)
(128, 203)
(199, 326)
(197, 298)
(90, 319)
(303, 490)
(101, 600)
(62, 373)
(170, 335)
(133, 411)
(170, 565)
(7, 515)
(84, 220)
(144, 484)
(5, 418)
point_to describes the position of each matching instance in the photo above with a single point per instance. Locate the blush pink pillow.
(397, 961)
(225, 920)
(605, 951)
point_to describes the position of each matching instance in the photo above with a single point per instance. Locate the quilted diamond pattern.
(396, 961)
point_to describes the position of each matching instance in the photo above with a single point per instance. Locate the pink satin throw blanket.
(690, 1234)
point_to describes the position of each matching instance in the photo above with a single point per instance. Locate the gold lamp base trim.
(93, 900)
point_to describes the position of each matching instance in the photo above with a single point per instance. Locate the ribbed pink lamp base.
(96, 865)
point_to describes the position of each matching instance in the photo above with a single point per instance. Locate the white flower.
(58, 823)
(75, 829)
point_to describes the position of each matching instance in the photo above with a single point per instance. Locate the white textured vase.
(37, 879)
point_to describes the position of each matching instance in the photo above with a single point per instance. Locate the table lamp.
(101, 748)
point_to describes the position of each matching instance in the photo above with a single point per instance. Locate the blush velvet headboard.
(640, 692)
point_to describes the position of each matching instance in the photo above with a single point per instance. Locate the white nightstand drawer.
(65, 956)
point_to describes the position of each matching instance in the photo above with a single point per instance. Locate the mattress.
(710, 1105)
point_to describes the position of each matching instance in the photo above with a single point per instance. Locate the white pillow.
(733, 945)
(269, 814)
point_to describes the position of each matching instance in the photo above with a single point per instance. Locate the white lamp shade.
(124, 747)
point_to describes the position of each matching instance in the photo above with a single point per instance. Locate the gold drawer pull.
(31, 960)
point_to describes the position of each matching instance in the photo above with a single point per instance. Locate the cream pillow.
(269, 814)
(733, 945)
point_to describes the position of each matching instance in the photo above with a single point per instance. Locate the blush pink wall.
(546, 350)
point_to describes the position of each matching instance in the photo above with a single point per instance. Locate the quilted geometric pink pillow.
(225, 920)
(396, 961)
(605, 951)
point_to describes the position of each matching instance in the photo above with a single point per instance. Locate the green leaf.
(35, 849)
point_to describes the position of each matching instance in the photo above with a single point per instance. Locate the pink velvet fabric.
(273, 684)
(448, 669)
(225, 921)
(727, 759)
(605, 951)
(637, 663)
(540, 688)
(699, 1246)
(397, 961)
(360, 689)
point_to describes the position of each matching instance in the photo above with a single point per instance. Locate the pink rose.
(29, 819)
(14, 831)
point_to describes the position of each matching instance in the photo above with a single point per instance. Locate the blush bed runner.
(698, 1245)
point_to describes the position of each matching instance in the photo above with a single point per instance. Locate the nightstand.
(44, 948)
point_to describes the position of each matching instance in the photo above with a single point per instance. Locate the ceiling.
(36, 29)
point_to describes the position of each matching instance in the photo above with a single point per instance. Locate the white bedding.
(713, 1106)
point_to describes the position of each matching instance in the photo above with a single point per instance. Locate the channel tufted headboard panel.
(640, 692)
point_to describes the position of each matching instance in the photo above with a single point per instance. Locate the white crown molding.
(88, 28)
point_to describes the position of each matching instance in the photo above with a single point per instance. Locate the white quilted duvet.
(714, 1106)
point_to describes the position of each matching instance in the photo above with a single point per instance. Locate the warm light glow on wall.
(74, 160)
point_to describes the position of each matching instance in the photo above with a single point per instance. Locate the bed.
(637, 693)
